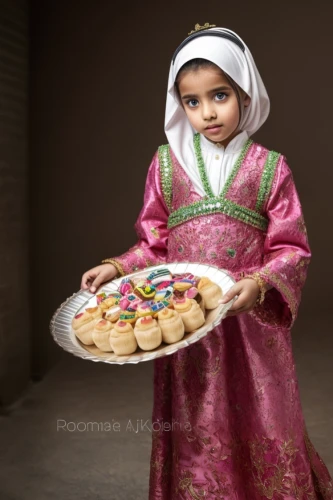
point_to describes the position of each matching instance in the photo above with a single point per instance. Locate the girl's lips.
(214, 129)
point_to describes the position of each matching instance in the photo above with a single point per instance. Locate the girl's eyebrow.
(218, 89)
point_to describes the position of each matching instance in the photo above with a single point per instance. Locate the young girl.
(227, 416)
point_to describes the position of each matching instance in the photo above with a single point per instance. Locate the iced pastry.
(190, 313)
(147, 333)
(159, 276)
(122, 339)
(100, 297)
(101, 335)
(183, 285)
(193, 293)
(128, 316)
(124, 303)
(113, 314)
(125, 286)
(172, 326)
(144, 291)
(144, 309)
(211, 292)
(107, 303)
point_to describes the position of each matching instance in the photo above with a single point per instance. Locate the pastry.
(116, 295)
(95, 312)
(211, 292)
(80, 319)
(144, 291)
(147, 333)
(159, 275)
(172, 326)
(124, 303)
(128, 316)
(100, 297)
(125, 286)
(101, 335)
(193, 293)
(183, 285)
(122, 339)
(144, 309)
(190, 313)
(84, 332)
(107, 303)
(113, 314)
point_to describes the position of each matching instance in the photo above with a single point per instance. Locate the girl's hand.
(247, 290)
(93, 278)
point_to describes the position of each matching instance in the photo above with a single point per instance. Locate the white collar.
(234, 146)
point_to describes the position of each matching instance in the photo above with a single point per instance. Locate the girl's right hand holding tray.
(93, 278)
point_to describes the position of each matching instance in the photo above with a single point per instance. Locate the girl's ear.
(246, 100)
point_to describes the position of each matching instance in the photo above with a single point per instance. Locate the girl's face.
(211, 104)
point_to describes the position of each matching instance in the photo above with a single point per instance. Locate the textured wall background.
(14, 215)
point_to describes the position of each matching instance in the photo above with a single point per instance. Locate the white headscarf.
(240, 66)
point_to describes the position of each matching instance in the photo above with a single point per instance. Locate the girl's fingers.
(234, 312)
(86, 279)
(234, 290)
(97, 282)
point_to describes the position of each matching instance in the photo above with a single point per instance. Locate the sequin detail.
(267, 179)
(217, 205)
(166, 173)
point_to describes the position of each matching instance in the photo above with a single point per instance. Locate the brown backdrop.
(98, 84)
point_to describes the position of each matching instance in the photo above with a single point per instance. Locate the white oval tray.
(63, 334)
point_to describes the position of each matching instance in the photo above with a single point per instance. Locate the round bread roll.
(84, 333)
(190, 313)
(122, 339)
(80, 319)
(95, 312)
(101, 335)
(172, 326)
(147, 333)
(211, 292)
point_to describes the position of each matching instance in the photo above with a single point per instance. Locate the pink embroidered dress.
(227, 415)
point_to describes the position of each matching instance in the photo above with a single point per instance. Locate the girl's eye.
(220, 96)
(192, 103)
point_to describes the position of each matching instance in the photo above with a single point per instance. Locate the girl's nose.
(208, 111)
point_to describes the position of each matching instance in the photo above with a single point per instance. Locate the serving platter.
(64, 336)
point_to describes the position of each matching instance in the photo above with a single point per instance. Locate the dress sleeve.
(286, 252)
(151, 228)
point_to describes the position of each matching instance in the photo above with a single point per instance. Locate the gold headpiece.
(197, 27)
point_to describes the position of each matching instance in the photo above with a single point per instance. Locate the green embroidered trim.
(217, 205)
(236, 167)
(202, 169)
(267, 179)
(166, 173)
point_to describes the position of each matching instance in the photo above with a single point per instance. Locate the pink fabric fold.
(227, 416)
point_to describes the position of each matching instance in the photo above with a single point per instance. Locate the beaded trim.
(217, 205)
(267, 179)
(166, 173)
(202, 169)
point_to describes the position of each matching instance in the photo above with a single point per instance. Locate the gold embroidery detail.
(116, 264)
(197, 27)
(155, 232)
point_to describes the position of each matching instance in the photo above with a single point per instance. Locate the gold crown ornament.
(197, 27)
